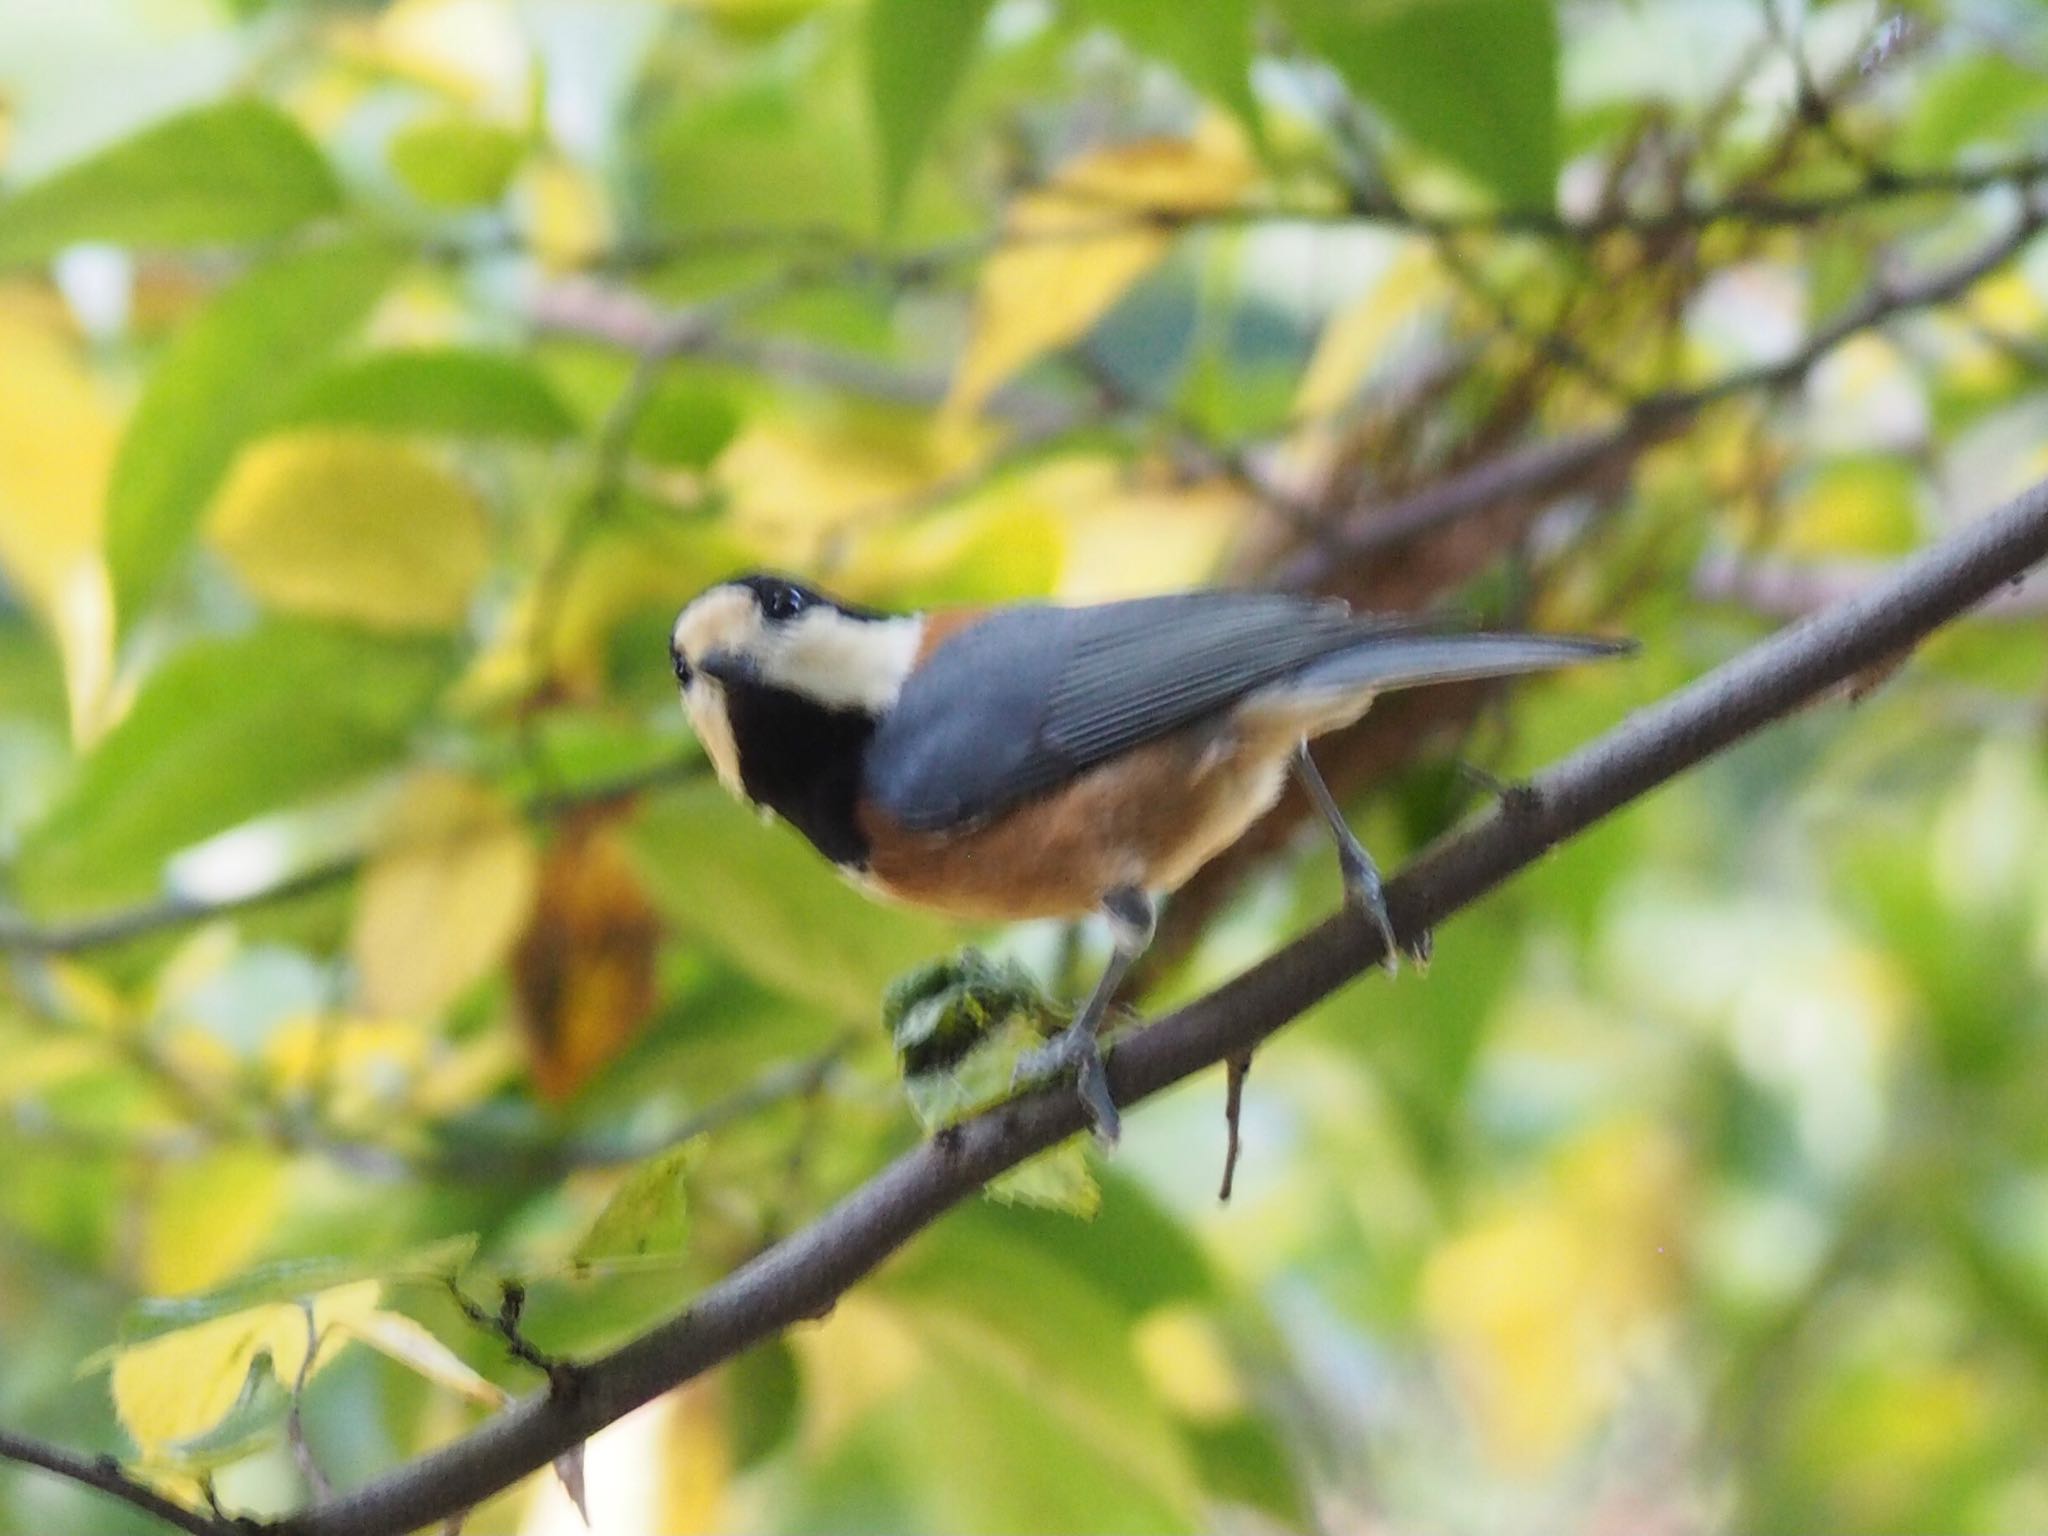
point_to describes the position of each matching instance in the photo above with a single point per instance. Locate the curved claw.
(1363, 895)
(1075, 1052)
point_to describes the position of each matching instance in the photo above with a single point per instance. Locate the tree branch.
(1544, 467)
(105, 1474)
(825, 252)
(1777, 587)
(594, 312)
(804, 1275)
(122, 924)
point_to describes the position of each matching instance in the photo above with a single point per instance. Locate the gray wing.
(1025, 699)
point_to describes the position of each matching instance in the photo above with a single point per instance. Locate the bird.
(1032, 760)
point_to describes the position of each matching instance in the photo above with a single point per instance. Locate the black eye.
(682, 666)
(780, 600)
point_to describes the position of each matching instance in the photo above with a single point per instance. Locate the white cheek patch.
(723, 619)
(705, 702)
(842, 662)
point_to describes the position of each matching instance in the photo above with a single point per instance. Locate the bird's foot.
(1364, 895)
(1075, 1052)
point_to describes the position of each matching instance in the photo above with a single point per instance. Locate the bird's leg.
(1077, 1049)
(1362, 891)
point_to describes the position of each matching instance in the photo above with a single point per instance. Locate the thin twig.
(1543, 468)
(1775, 587)
(123, 924)
(104, 1473)
(1235, 1071)
(294, 1419)
(503, 1325)
(824, 253)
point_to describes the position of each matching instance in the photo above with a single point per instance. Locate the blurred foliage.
(392, 1004)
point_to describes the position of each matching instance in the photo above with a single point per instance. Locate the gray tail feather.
(1386, 662)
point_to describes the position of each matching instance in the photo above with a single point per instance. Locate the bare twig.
(105, 1474)
(1776, 587)
(805, 1273)
(822, 253)
(1542, 468)
(1537, 469)
(164, 914)
(589, 311)
(294, 1419)
(1235, 1071)
(503, 1325)
(498, 1158)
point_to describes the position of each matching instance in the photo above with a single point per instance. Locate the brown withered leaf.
(584, 969)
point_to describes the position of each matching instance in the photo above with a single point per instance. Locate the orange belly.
(1149, 819)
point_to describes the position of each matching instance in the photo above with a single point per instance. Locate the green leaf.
(918, 50)
(939, 1012)
(1208, 41)
(979, 1290)
(456, 162)
(647, 1215)
(225, 731)
(220, 383)
(960, 1026)
(446, 392)
(232, 171)
(763, 1395)
(1978, 98)
(1057, 1179)
(1024, 1456)
(687, 423)
(1475, 81)
(292, 1280)
(764, 899)
(1243, 1462)
(1152, 1261)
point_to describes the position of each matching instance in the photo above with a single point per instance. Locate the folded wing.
(1027, 698)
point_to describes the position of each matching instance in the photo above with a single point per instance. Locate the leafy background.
(377, 379)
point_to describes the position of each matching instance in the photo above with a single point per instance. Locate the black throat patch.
(803, 760)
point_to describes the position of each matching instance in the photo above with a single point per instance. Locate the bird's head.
(764, 639)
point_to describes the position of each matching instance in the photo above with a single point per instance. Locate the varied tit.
(1037, 761)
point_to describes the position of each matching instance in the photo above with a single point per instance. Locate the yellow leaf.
(209, 1217)
(398, 1336)
(585, 965)
(620, 573)
(204, 1064)
(353, 526)
(796, 484)
(698, 1463)
(567, 221)
(860, 1355)
(57, 438)
(37, 1063)
(472, 50)
(1072, 247)
(997, 548)
(1113, 535)
(361, 1070)
(88, 998)
(2007, 304)
(441, 905)
(1143, 540)
(1187, 1365)
(1861, 506)
(462, 1074)
(1542, 1303)
(177, 1386)
(1360, 333)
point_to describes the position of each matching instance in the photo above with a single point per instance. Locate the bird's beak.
(729, 667)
